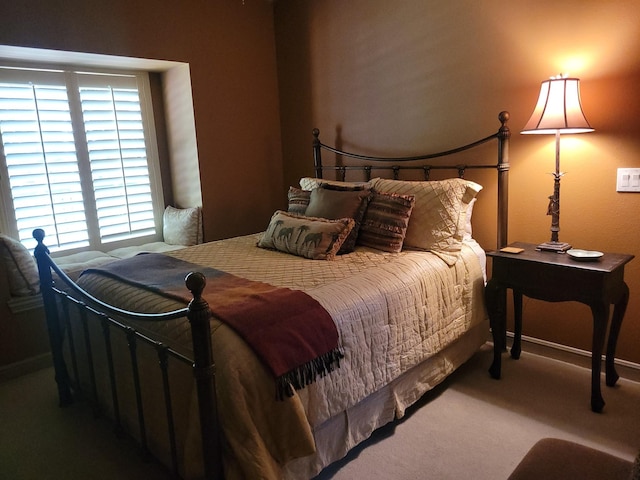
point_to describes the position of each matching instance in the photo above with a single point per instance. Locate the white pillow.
(20, 266)
(468, 230)
(182, 226)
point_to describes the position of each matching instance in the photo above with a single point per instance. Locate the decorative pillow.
(20, 266)
(298, 200)
(314, 238)
(311, 183)
(438, 218)
(182, 226)
(334, 204)
(385, 222)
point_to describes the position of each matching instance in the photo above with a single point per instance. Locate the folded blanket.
(288, 330)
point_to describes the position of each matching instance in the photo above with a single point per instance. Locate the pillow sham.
(334, 204)
(311, 183)
(298, 200)
(314, 238)
(182, 226)
(20, 266)
(468, 229)
(438, 218)
(384, 225)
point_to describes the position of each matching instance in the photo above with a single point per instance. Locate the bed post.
(317, 157)
(204, 371)
(503, 179)
(56, 332)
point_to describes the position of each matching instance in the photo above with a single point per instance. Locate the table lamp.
(558, 112)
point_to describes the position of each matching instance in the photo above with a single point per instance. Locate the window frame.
(8, 223)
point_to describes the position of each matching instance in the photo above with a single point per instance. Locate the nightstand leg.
(516, 348)
(600, 313)
(496, 299)
(614, 330)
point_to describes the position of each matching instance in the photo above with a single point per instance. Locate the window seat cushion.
(73, 265)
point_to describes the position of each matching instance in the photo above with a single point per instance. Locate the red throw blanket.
(289, 330)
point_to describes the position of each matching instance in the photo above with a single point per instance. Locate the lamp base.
(558, 247)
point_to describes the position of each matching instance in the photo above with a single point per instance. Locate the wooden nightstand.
(557, 277)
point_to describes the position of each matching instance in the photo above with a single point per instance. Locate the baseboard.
(576, 356)
(23, 367)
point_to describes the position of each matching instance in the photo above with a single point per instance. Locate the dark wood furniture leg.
(495, 298)
(619, 310)
(516, 348)
(600, 311)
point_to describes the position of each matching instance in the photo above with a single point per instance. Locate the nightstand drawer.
(550, 282)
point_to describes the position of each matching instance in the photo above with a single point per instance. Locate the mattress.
(393, 311)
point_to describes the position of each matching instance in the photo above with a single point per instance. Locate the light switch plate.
(628, 180)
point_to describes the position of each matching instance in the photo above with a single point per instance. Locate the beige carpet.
(470, 427)
(480, 428)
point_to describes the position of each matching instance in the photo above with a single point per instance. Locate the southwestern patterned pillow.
(298, 200)
(314, 238)
(385, 222)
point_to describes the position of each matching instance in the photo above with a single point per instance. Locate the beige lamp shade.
(558, 109)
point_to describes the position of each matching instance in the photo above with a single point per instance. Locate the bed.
(208, 397)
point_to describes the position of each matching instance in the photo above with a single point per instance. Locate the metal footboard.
(92, 341)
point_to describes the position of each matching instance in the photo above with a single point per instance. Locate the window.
(78, 158)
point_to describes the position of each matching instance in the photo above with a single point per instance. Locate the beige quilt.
(392, 312)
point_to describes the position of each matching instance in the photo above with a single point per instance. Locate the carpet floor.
(471, 426)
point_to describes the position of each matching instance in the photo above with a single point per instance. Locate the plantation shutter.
(41, 161)
(117, 153)
(75, 147)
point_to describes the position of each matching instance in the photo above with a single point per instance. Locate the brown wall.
(397, 77)
(417, 76)
(230, 48)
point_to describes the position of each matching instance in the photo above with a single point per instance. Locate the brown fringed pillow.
(314, 238)
(333, 204)
(385, 222)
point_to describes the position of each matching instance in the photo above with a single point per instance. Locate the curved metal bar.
(42, 254)
(429, 156)
(502, 166)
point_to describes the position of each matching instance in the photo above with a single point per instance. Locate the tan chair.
(555, 459)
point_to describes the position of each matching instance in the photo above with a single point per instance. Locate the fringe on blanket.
(301, 376)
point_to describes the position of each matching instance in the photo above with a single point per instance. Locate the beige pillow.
(182, 226)
(21, 267)
(438, 218)
(314, 238)
(311, 183)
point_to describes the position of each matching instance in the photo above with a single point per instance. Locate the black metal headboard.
(395, 164)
